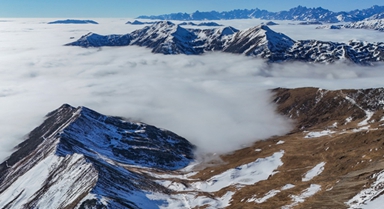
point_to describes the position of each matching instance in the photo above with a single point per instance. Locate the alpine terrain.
(260, 41)
(78, 158)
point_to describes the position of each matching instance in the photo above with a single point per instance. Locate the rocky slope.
(260, 41)
(332, 158)
(299, 13)
(80, 158)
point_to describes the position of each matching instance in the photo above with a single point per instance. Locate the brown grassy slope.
(351, 154)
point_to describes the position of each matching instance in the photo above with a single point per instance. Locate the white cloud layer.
(217, 101)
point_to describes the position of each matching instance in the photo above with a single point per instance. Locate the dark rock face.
(54, 120)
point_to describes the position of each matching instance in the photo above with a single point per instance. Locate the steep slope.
(260, 41)
(79, 157)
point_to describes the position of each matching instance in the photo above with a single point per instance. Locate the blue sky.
(133, 8)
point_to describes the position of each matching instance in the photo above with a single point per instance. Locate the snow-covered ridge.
(371, 24)
(79, 153)
(260, 41)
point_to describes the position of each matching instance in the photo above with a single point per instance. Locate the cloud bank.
(218, 101)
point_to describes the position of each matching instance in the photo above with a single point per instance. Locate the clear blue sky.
(133, 8)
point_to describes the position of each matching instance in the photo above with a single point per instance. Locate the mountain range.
(299, 13)
(79, 158)
(260, 41)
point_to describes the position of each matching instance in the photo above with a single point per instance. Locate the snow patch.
(315, 171)
(287, 186)
(267, 196)
(247, 174)
(317, 134)
(369, 115)
(348, 120)
(367, 197)
(191, 200)
(296, 199)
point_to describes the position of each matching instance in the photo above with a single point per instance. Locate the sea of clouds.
(218, 101)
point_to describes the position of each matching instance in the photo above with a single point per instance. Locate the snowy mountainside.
(371, 24)
(260, 41)
(298, 13)
(167, 38)
(374, 24)
(78, 158)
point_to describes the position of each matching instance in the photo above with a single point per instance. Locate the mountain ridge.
(260, 41)
(299, 13)
(74, 154)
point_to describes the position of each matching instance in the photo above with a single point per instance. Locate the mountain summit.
(80, 158)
